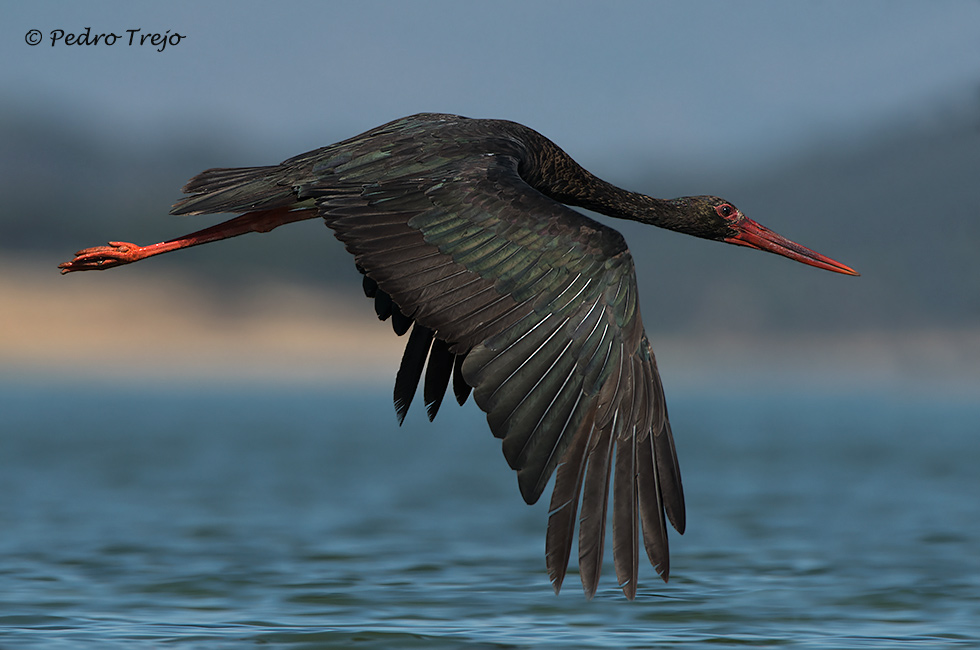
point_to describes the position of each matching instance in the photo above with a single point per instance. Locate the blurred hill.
(898, 205)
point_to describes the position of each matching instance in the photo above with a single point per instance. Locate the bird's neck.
(593, 193)
(556, 174)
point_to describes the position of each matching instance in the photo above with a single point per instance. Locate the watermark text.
(136, 37)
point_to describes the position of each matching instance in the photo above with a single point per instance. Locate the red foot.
(98, 258)
(118, 253)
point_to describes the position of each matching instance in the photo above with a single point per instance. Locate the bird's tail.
(241, 189)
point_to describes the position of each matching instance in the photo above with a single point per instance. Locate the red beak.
(757, 236)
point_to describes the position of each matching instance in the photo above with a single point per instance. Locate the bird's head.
(715, 218)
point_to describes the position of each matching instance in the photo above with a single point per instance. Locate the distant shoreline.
(136, 325)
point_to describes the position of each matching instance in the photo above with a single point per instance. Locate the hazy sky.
(711, 82)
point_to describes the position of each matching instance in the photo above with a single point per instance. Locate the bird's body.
(462, 231)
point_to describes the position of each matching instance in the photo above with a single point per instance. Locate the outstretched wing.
(546, 315)
(525, 300)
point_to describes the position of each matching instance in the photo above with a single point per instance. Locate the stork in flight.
(462, 230)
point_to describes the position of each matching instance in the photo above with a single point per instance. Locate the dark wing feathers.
(624, 529)
(651, 506)
(399, 321)
(438, 371)
(461, 389)
(410, 371)
(528, 302)
(595, 497)
(565, 498)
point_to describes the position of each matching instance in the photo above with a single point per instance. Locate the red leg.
(118, 253)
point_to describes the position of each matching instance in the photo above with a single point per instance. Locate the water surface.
(162, 515)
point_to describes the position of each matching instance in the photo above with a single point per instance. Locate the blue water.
(145, 516)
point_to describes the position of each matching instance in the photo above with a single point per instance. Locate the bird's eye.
(725, 210)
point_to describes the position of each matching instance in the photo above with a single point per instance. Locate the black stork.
(461, 227)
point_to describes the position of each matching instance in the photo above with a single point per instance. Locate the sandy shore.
(136, 324)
